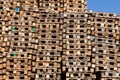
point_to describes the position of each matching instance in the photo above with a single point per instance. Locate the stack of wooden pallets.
(76, 56)
(48, 56)
(105, 45)
(57, 40)
(17, 39)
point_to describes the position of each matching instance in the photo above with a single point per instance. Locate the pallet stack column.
(17, 39)
(76, 56)
(48, 56)
(105, 45)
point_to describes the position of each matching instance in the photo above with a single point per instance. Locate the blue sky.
(112, 6)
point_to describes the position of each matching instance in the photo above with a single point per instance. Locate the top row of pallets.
(53, 6)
